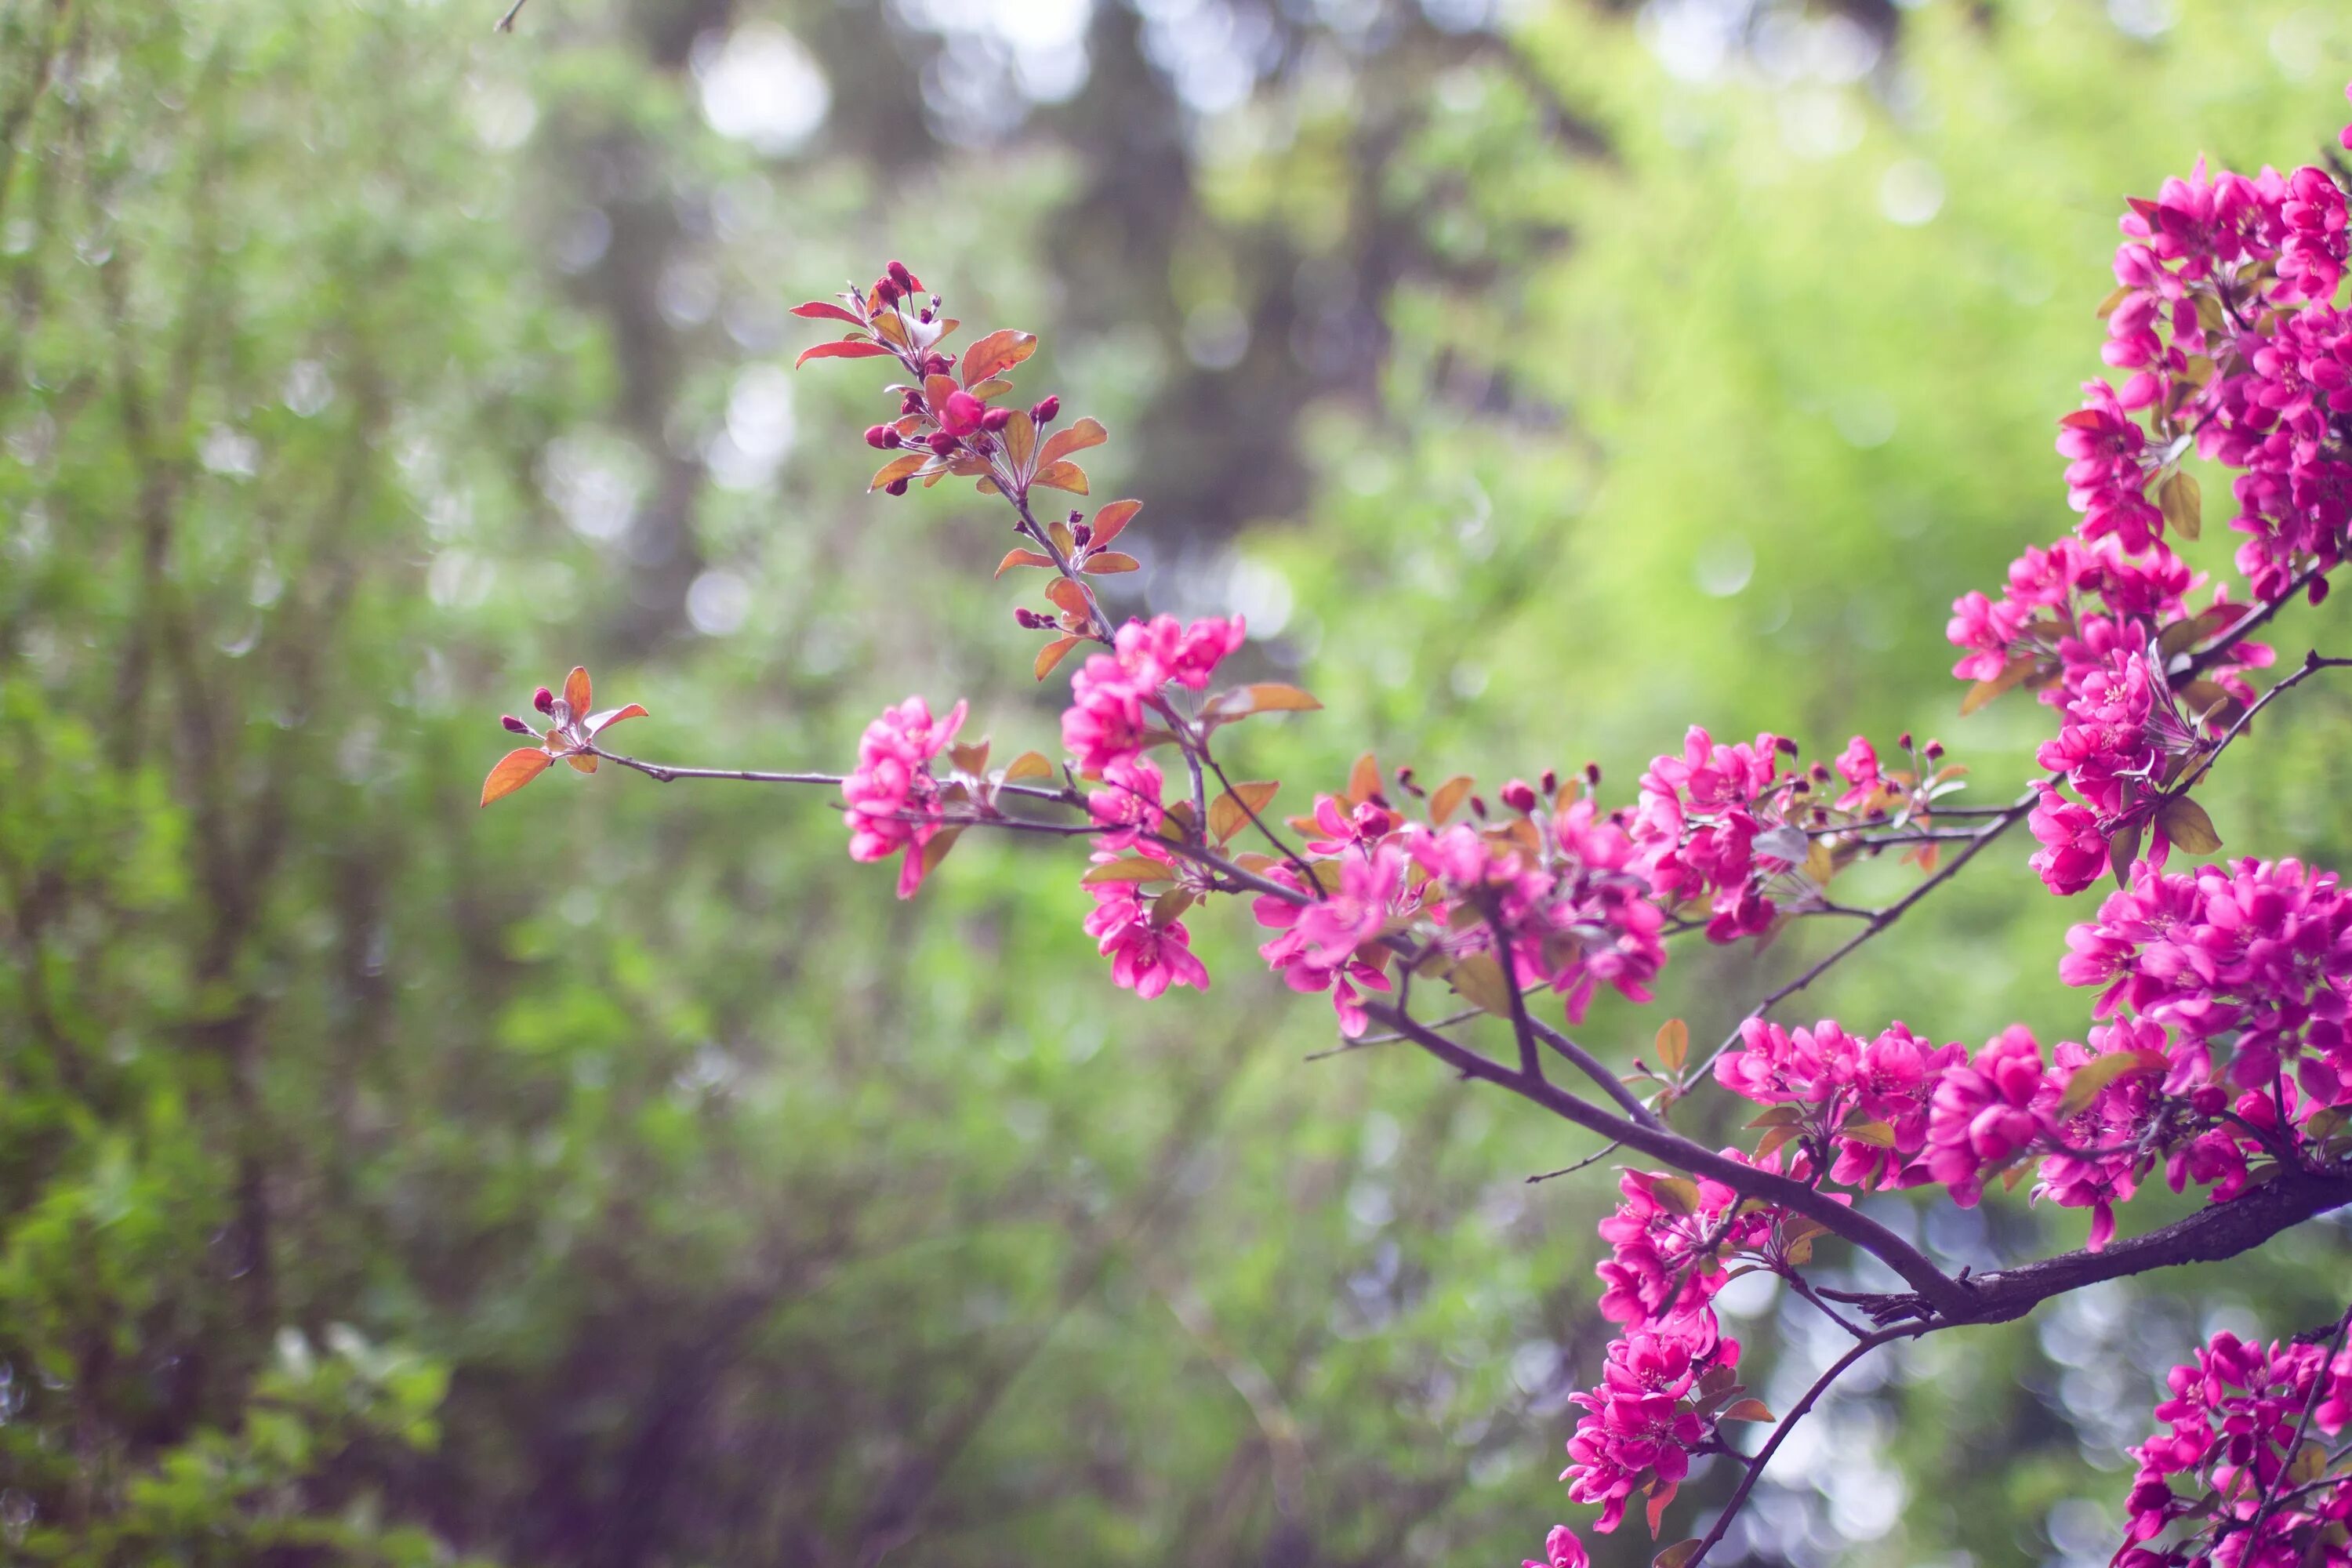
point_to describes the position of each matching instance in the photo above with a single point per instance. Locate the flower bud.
(1784, 745)
(1933, 750)
(543, 700)
(881, 437)
(2318, 591)
(910, 401)
(1084, 533)
(943, 444)
(1592, 774)
(1478, 806)
(1904, 739)
(898, 273)
(1045, 409)
(1076, 517)
(515, 724)
(1550, 782)
(1518, 795)
(886, 291)
(1030, 620)
(895, 487)
(938, 365)
(996, 419)
(1374, 819)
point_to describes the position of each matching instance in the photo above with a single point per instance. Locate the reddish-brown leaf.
(1447, 796)
(1051, 655)
(938, 389)
(825, 310)
(599, 723)
(846, 348)
(516, 769)
(1028, 766)
(1103, 562)
(905, 466)
(1364, 779)
(1088, 432)
(1061, 477)
(576, 691)
(1022, 558)
(1020, 440)
(1068, 595)
(581, 762)
(1001, 350)
(1114, 516)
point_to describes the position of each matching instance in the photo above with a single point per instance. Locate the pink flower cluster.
(1327, 945)
(1653, 1406)
(1697, 823)
(1865, 1102)
(1562, 889)
(894, 801)
(1112, 698)
(2224, 321)
(1987, 1113)
(2223, 1485)
(1111, 692)
(1668, 1248)
(2256, 953)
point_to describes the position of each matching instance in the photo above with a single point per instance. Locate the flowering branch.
(2223, 1046)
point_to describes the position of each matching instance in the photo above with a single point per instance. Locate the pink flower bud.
(1933, 750)
(1030, 620)
(543, 700)
(1904, 739)
(895, 487)
(2318, 590)
(882, 437)
(1518, 795)
(910, 401)
(1550, 782)
(943, 444)
(996, 419)
(1084, 533)
(899, 274)
(515, 724)
(962, 413)
(938, 365)
(886, 291)
(1045, 409)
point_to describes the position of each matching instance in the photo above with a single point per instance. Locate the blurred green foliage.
(622, 1177)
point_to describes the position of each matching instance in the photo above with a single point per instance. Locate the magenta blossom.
(894, 801)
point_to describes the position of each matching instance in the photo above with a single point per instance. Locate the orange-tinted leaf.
(969, 757)
(938, 389)
(1134, 868)
(994, 386)
(1267, 696)
(1447, 797)
(905, 466)
(1230, 812)
(1984, 691)
(2185, 823)
(1020, 440)
(1061, 477)
(1103, 562)
(1001, 350)
(581, 762)
(1021, 558)
(1067, 596)
(1088, 432)
(1748, 1410)
(937, 849)
(1028, 766)
(890, 329)
(1171, 905)
(1051, 655)
(599, 723)
(2183, 505)
(848, 348)
(825, 310)
(516, 769)
(1364, 779)
(1673, 1043)
(1114, 516)
(1479, 981)
(576, 691)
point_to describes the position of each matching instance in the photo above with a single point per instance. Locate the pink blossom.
(1145, 958)
(893, 801)
(1562, 1549)
(1987, 1113)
